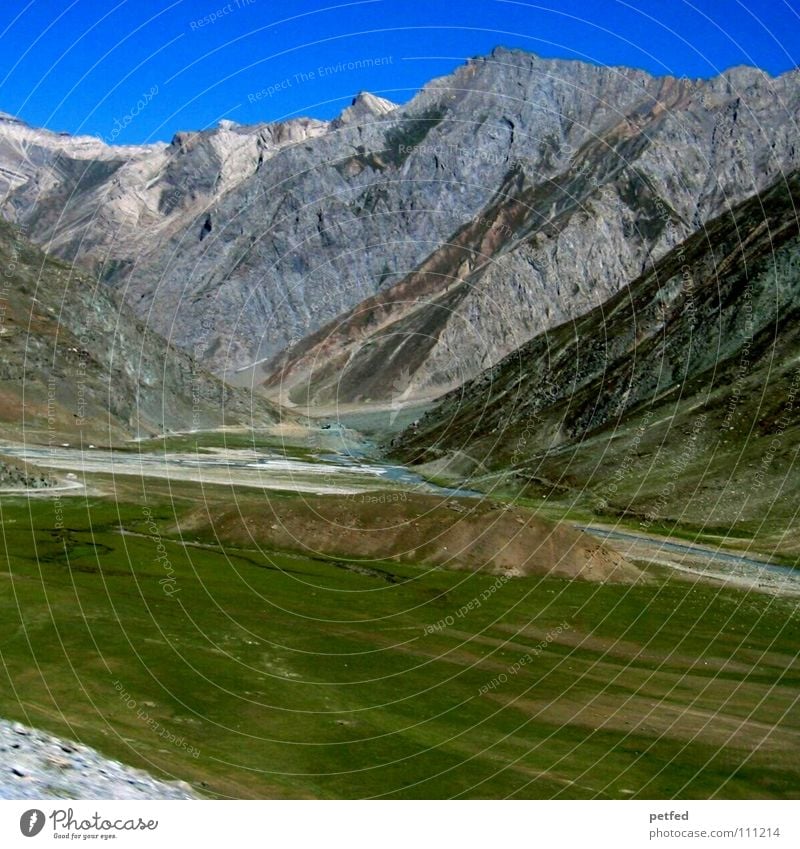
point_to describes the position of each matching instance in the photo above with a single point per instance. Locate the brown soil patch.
(457, 534)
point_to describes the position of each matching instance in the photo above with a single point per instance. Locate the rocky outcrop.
(32, 159)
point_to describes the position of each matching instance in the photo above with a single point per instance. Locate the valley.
(293, 665)
(443, 448)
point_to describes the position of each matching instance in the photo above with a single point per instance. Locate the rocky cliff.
(419, 243)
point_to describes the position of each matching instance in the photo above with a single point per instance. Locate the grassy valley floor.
(252, 672)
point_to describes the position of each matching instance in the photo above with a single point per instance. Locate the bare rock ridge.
(428, 240)
(30, 156)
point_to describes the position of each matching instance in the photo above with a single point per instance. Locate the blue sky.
(84, 65)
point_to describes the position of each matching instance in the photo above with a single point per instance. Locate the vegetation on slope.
(676, 401)
(76, 364)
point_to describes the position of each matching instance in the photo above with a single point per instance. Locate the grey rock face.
(237, 242)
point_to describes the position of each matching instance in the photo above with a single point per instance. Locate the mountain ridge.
(240, 242)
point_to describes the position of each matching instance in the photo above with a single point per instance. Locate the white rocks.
(47, 767)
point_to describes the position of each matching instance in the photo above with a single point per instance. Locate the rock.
(36, 773)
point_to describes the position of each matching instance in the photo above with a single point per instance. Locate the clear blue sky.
(82, 65)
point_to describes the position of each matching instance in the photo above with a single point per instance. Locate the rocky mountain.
(77, 365)
(679, 397)
(612, 169)
(419, 244)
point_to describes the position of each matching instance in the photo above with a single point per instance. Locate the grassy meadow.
(254, 673)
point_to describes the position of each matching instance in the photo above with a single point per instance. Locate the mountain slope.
(41, 162)
(237, 242)
(77, 364)
(679, 397)
(590, 207)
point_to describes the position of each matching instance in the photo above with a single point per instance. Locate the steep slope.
(512, 194)
(679, 397)
(596, 200)
(78, 365)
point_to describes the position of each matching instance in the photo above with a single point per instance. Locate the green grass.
(297, 677)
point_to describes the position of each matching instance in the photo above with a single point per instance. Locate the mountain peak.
(365, 106)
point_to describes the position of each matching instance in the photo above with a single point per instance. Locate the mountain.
(604, 170)
(14, 475)
(78, 365)
(42, 162)
(678, 398)
(418, 244)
